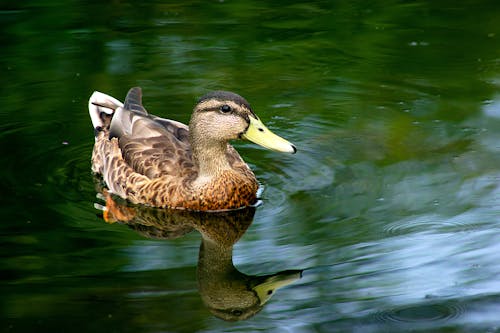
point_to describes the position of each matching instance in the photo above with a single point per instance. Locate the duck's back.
(150, 145)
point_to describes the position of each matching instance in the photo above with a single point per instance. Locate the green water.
(390, 207)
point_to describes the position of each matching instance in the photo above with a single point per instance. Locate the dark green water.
(391, 205)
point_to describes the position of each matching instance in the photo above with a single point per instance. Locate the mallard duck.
(226, 291)
(164, 163)
(230, 294)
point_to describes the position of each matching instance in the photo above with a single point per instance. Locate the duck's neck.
(215, 259)
(210, 157)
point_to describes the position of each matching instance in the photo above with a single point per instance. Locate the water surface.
(390, 205)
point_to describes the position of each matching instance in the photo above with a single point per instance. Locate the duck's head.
(221, 116)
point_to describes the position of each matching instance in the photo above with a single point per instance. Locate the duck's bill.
(266, 288)
(261, 135)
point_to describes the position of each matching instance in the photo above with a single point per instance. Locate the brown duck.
(227, 292)
(164, 163)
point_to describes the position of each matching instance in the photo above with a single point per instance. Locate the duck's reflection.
(228, 293)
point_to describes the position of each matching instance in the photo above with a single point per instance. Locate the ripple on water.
(69, 175)
(432, 313)
(432, 224)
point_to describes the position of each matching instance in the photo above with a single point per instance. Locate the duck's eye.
(237, 312)
(225, 108)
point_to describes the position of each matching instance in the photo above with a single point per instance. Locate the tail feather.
(133, 101)
(101, 110)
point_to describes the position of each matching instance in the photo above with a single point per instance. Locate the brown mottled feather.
(148, 160)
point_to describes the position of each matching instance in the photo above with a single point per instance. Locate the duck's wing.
(151, 145)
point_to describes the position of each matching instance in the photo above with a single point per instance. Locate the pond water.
(389, 210)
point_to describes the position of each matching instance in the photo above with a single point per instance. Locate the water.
(390, 206)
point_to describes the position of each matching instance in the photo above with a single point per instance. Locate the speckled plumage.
(150, 160)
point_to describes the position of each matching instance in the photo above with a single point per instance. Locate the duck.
(227, 292)
(158, 162)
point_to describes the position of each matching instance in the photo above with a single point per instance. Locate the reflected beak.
(266, 289)
(261, 135)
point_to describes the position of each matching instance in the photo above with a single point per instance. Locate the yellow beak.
(273, 282)
(261, 135)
